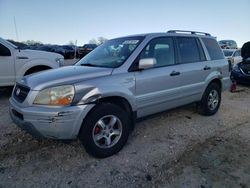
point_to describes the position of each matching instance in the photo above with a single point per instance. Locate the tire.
(211, 100)
(105, 130)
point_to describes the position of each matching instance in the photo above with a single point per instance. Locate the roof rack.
(191, 32)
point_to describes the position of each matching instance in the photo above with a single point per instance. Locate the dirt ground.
(179, 148)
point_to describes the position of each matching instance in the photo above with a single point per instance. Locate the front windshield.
(228, 53)
(112, 53)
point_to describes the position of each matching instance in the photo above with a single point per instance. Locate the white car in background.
(16, 63)
(233, 55)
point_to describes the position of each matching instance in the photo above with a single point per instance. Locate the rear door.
(193, 68)
(7, 66)
(216, 61)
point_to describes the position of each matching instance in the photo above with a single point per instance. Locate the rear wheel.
(211, 100)
(105, 130)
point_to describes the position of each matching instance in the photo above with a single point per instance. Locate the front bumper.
(49, 122)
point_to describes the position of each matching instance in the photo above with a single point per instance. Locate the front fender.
(20, 71)
(93, 90)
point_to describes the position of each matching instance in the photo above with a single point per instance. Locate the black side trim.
(20, 57)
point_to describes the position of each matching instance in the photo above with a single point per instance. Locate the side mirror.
(147, 63)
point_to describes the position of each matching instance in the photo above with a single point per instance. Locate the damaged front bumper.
(49, 122)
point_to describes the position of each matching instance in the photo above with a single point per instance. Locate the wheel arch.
(22, 68)
(217, 81)
(214, 77)
(35, 68)
(117, 100)
(122, 102)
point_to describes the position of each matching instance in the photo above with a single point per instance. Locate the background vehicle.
(241, 71)
(234, 56)
(82, 51)
(16, 63)
(69, 51)
(228, 44)
(66, 51)
(126, 78)
(47, 48)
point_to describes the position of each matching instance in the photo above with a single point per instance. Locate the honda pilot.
(98, 99)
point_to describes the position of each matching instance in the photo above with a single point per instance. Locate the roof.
(230, 50)
(160, 34)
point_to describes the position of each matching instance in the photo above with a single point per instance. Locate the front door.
(156, 87)
(7, 66)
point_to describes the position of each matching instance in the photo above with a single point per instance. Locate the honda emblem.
(18, 91)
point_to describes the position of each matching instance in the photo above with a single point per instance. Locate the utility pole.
(16, 29)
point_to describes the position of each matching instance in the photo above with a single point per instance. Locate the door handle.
(206, 68)
(174, 73)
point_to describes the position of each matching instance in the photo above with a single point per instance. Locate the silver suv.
(99, 98)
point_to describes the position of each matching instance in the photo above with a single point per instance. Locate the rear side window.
(188, 50)
(213, 49)
(4, 51)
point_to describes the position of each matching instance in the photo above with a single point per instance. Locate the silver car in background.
(99, 99)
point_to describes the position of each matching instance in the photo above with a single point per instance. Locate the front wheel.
(105, 130)
(211, 100)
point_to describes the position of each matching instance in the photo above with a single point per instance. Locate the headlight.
(56, 96)
(60, 61)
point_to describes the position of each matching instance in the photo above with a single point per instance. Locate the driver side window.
(4, 51)
(162, 49)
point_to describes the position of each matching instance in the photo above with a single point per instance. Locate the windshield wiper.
(89, 65)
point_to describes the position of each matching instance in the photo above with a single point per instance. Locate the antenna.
(16, 29)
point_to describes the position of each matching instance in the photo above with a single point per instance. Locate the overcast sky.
(60, 21)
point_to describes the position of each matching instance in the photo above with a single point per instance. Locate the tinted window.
(213, 48)
(162, 49)
(4, 51)
(188, 50)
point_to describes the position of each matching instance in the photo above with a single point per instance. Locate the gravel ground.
(178, 148)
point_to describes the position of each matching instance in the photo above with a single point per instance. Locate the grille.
(20, 93)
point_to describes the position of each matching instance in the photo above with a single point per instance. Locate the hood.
(37, 54)
(63, 76)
